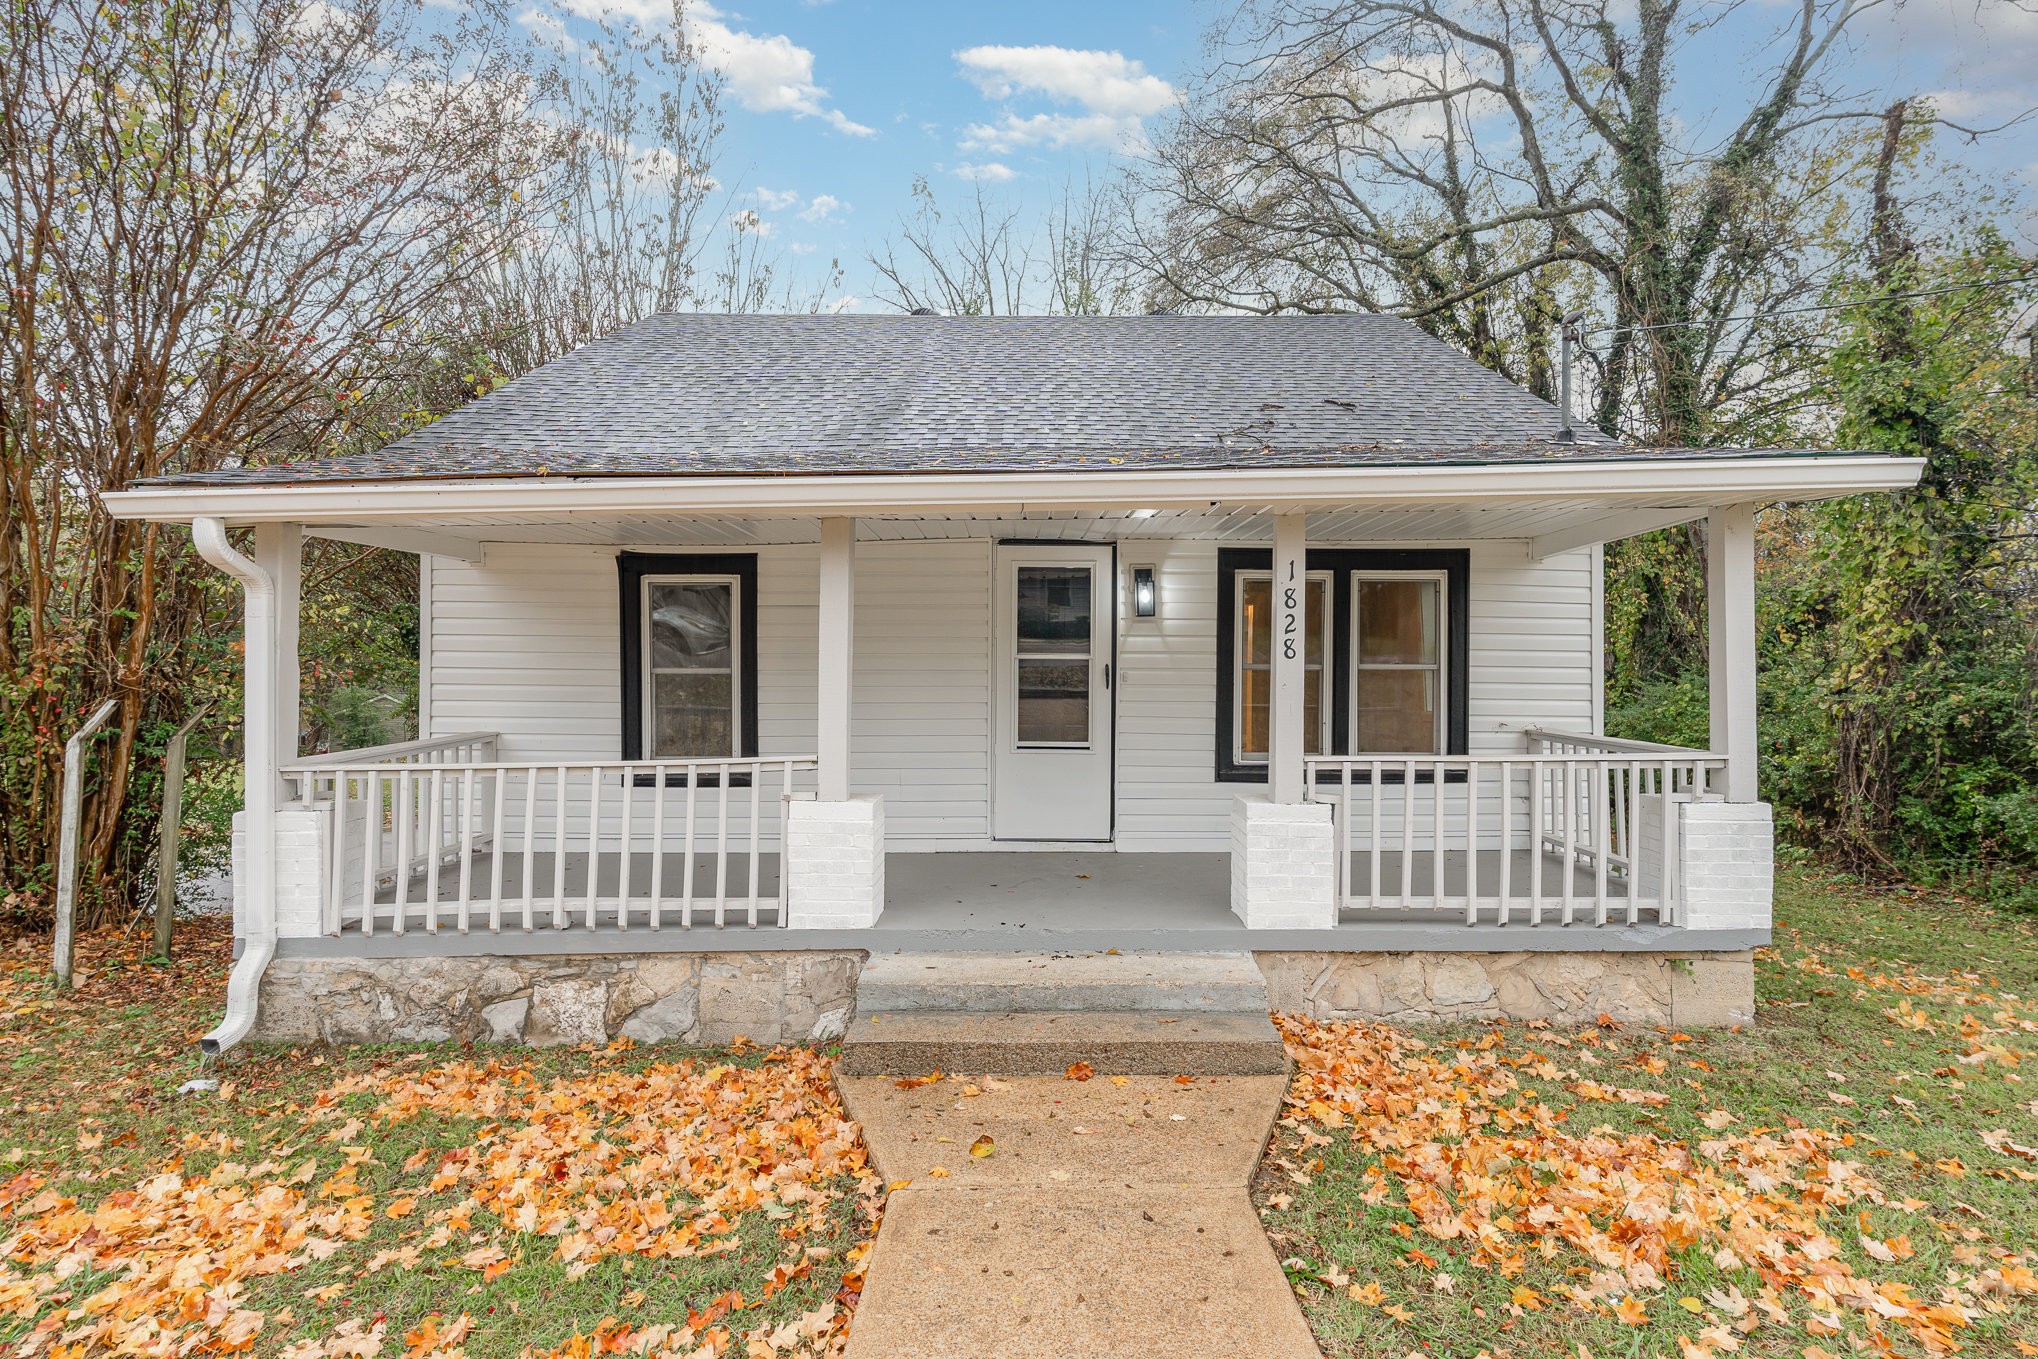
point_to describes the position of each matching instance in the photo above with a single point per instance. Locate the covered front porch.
(467, 844)
(1013, 709)
(1050, 902)
(884, 716)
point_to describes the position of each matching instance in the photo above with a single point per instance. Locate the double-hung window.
(1383, 663)
(692, 666)
(689, 656)
(1253, 647)
(1398, 655)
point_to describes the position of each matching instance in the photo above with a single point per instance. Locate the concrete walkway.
(1109, 1220)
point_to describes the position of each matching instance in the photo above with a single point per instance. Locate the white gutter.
(1698, 483)
(258, 854)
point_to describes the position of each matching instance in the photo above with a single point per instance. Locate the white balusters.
(1570, 833)
(445, 836)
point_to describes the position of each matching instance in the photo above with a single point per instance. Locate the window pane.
(693, 715)
(1397, 622)
(1256, 689)
(1054, 702)
(1255, 704)
(691, 625)
(1256, 608)
(1398, 712)
(1054, 610)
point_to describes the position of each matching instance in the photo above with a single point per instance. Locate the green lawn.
(1508, 1189)
(1884, 1108)
(405, 1202)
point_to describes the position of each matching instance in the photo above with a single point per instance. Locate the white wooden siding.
(526, 644)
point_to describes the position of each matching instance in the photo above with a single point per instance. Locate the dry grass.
(388, 1201)
(1856, 1173)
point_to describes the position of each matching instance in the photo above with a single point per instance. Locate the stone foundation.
(703, 998)
(1683, 990)
(798, 997)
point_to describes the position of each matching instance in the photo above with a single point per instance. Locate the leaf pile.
(1470, 1140)
(663, 1163)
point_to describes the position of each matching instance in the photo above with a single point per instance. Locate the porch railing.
(1574, 829)
(433, 835)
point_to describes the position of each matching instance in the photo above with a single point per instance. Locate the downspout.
(258, 855)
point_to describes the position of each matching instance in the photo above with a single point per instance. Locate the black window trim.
(631, 569)
(1456, 566)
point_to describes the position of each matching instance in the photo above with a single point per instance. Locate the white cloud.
(1102, 82)
(843, 303)
(990, 171)
(842, 122)
(546, 26)
(822, 208)
(768, 73)
(319, 20)
(746, 222)
(644, 13)
(1054, 130)
(1979, 53)
(777, 200)
(1112, 91)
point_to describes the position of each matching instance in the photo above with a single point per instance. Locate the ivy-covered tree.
(1902, 630)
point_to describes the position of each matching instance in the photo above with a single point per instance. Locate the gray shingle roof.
(687, 394)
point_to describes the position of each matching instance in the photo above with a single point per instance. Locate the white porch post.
(834, 851)
(1726, 848)
(837, 637)
(1286, 745)
(1283, 847)
(278, 854)
(296, 880)
(1730, 627)
(279, 550)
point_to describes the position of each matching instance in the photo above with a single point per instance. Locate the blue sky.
(835, 106)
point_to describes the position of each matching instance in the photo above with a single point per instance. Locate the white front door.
(1051, 766)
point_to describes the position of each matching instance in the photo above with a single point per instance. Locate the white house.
(755, 645)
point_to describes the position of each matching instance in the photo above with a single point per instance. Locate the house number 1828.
(1290, 622)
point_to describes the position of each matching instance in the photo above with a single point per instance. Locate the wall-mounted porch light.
(1146, 597)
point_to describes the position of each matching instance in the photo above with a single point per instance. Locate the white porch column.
(279, 550)
(1286, 745)
(834, 850)
(293, 880)
(277, 853)
(1730, 628)
(837, 637)
(1284, 847)
(1726, 854)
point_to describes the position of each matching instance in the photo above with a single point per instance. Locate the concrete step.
(1045, 1043)
(999, 983)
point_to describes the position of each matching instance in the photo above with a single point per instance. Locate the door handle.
(1107, 676)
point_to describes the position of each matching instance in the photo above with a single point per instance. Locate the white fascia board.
(1697, 483)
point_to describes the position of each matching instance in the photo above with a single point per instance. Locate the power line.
(2005, 281)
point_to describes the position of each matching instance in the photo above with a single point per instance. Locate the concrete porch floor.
(1057, 892)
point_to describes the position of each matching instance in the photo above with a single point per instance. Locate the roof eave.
(1712, 480)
